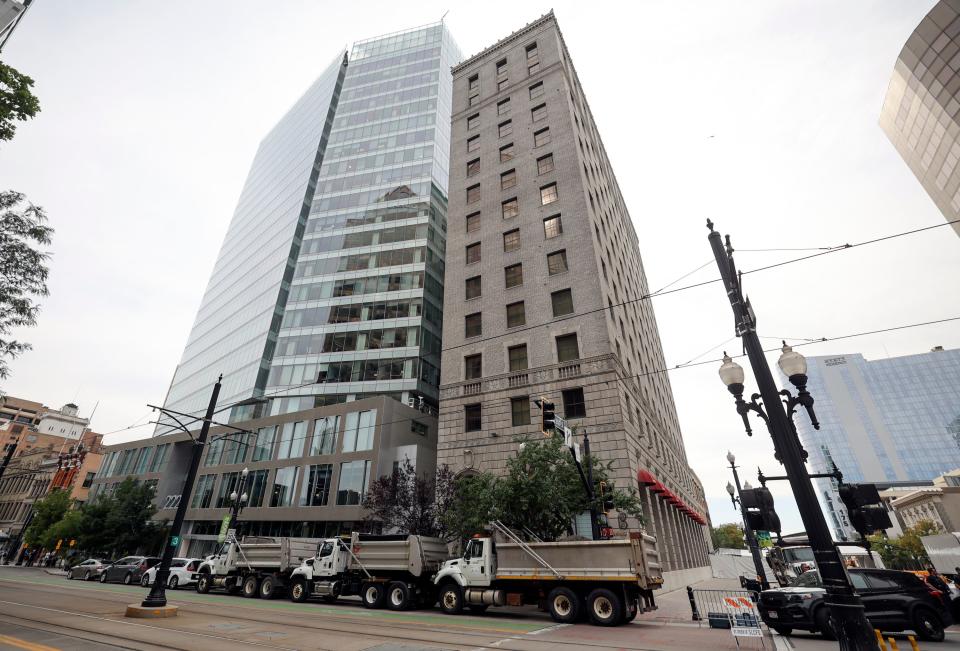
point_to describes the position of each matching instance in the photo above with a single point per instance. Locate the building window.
(544, 164)
(562, 302)
(473, 193)
(473, 121)
(573, 403)
(325, 435)
(142, 460)
(532, 52)
(473, 367)
(505, 128)
(418, 428)
(518, 357)
(256, 487)
(214, 452)
(228, 484)
(473, 167)
(540, 138)
(473, 83)
(520, 410)
(510, 208)
(548, 194)
(284, 483)
(552, 227)
(511, 240)
(507, 153)
(473, 253)
(473, 287)
(353, 482)
(473, 222)
(501, 67)
(502, 84)
(503, 106)
(536, 91)
(235, 450)
(263, 448)
(316, 485)
(567, 348)
(358, 430)
(508, 179)
(88, 480)
(203, 492)
(513, 275)
(539, 112)
(473, 325)
(471, 418)
(473, 144)
(516, 315)
(557, 262)
(291, 440)
(533, 68)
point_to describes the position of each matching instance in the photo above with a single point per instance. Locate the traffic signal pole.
(852, 629)
(11, 448)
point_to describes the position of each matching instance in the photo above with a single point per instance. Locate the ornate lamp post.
(747, 530)
(238, 498)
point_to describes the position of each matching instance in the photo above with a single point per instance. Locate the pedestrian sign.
(174, 541)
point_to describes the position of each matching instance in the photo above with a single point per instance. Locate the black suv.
(894, 601)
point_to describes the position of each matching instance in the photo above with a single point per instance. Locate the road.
(40, 612)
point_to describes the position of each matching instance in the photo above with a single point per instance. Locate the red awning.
(646, 478)
(657, 487)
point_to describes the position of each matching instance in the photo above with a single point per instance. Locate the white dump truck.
(606, 581)
(255, 567)
(392, 571)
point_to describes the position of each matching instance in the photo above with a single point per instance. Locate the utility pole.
(592, 494)
(158, 596)
(850, 624)
(11, 448)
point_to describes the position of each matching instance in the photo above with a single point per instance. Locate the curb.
(781, 642)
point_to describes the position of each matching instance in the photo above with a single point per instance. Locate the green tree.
(67, 529)
(470, 505)
(17, 101)
(728, 536)
(24, 273)
(407, 502)
(907, 551)
(129, 520)
(47, 512)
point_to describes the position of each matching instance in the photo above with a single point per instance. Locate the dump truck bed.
(633, 559)
(277, 554)
(417, 555)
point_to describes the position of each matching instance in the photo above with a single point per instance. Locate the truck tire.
(398, 596)
(563, 605)
(605, 608)
(203, 583)
(269, 587)
(372, 594)
(251, 587)
(299, 591)
(451, 598)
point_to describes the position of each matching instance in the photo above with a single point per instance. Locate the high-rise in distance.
(921, 110)
(893, 421)
(543, 287)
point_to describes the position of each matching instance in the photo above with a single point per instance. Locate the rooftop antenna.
(444, 16)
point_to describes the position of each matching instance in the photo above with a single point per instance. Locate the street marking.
(548, 629)
(23, 644)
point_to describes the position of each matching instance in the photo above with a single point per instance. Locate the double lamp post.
(748, 532)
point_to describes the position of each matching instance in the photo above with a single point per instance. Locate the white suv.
(181, 573)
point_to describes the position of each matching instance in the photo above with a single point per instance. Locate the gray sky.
(761, 115)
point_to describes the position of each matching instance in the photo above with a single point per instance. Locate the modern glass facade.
(888, 420)
(332, 266)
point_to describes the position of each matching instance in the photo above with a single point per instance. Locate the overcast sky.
(760, 115)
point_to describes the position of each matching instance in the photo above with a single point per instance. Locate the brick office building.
(542, 280)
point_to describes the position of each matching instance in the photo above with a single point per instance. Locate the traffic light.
(547, 413)
(606, 499)
(759, 510)
(866, 509)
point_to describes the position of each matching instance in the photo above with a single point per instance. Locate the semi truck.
(255, 566)
(392, 571)
(606, 581)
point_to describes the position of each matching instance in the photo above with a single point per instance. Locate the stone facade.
(531, 185)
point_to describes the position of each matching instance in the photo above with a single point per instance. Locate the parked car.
(182, 571)
(88, 570)
(893, 600)
(128, 569)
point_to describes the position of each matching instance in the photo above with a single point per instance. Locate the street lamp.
(748, 532)
(238, 499)
(846, 611)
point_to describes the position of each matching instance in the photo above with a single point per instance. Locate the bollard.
(893, 644)
(693, 604)
(913, 643)
(880, 641)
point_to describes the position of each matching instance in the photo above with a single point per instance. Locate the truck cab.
(332, 559)
(476, 568)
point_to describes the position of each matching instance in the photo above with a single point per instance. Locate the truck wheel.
(564, 605)
(451, 598)
(269, 587)
(372, 594)
(203, 583)
(605, 608)
(398, 596)
(251, 587)
(299, 591)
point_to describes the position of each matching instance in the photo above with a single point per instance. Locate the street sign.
(224, 526)
(576, 453)
(174, 541)
(559, 423)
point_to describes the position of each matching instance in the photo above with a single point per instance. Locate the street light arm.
(744, 407)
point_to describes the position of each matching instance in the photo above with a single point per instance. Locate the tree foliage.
(907, 551)
(23, 270)
(17, 101)
(728, 536)
(47, 512)
(406, 502)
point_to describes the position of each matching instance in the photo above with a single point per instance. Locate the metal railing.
(715, 607)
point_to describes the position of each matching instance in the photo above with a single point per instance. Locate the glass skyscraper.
(887, 421)
(332, 267)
